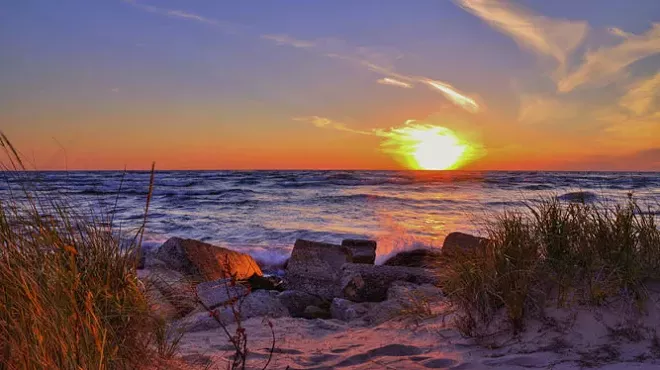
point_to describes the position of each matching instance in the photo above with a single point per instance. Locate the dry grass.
(591, 251)
(69, 293)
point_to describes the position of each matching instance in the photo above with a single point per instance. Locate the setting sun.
(426, 147)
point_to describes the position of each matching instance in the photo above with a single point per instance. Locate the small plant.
(239, 339)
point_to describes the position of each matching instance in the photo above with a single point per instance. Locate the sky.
(328, 84)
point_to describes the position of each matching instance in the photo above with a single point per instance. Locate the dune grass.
(566, 252)
(69, 293)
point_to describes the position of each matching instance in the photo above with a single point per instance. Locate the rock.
(368, 283)
(457, 242)
(271, 282)
(316, 312)
(362, 251)
(578, 197)
(315, 267)
(296, 301)
(383, 311)
(426, 258)
(220, 292)
(403, 291)
(402, 298)
(172, 286)
(345, 310)
(205, 262)
(262, 303)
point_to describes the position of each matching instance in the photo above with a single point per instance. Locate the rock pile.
(321, 280)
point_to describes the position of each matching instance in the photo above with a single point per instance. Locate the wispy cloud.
(642, 95)
(454, 95)
(225, 26)
(327, 123)
(373, 59)
(546, 36)
(288, 41)
(605, 64)
(394, 82)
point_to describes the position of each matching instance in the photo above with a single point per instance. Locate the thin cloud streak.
(556, 38)
(453, 95)
(288, 41)
(603, 65)
(393, 82)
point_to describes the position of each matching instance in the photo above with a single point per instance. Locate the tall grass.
(568, 252)
(69, 293)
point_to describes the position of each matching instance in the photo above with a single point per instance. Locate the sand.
(616, 336)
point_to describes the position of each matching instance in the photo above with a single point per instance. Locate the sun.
(426, 147)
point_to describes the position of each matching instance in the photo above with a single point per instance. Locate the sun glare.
(426, 147)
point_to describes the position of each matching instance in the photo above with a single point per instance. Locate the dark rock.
(316, 312)
(362, 251)
(369, 283)
(204, 261)
(315, 268)
(457, 242)
(296, 301)
(270, 282)
(578, 197)
(426, 258)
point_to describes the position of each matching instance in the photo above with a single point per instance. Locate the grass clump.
(69, 293)
(570, 252)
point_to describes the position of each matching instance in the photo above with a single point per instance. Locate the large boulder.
(296, 301)
(369, 283)
(315, 268)
(363, 251)
(205, 262)
(458, 242)
(426, 258)
(222, 292)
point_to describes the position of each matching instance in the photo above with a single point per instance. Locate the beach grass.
(566, 252)
(69, 293)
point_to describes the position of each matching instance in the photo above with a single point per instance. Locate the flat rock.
(220, 292)
(315, 268)
(204, 262)
(370, 283)
(363, 251)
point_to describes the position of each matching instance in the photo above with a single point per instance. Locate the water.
(264, 212)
